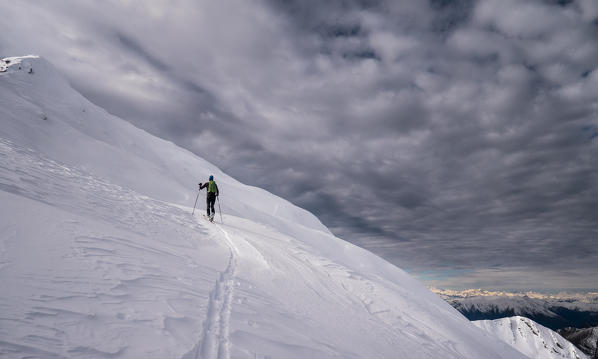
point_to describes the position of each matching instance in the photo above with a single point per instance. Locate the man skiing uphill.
(211, 198)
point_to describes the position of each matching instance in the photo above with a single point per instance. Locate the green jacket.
(211, 186)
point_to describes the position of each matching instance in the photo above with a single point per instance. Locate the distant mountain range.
(585, 339)
(552, 311)
(573, 316)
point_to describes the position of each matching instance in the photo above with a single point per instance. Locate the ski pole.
(195, 203)
(219, 209)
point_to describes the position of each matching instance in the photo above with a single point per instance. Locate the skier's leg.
(212, 202)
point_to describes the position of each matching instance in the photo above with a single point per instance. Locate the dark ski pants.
(210, 200)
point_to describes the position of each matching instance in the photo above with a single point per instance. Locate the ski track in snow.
(140, 279)
(123, 267)
(215, 341)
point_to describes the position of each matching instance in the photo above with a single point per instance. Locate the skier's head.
(211, 178)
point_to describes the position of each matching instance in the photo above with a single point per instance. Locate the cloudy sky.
(456, 138)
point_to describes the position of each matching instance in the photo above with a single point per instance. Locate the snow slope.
(531, 338)
(101, 258)
(42, 111)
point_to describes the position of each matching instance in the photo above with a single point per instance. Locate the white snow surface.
(100, 256)
(531, 338)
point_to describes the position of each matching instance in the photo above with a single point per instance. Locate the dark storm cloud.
(447, 136)
(130, 44)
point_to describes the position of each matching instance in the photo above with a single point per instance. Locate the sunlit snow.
(531, 338)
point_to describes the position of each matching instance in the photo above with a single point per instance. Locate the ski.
(209, 219)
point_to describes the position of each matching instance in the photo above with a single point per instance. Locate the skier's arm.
(203, 185)
(217, 191)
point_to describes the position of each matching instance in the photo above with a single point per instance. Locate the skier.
(211, 198)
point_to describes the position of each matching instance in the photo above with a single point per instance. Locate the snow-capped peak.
(16, 63)
(531, 338)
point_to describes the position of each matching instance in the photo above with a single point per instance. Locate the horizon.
(537, 294)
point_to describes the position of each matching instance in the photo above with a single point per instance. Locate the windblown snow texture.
(101, 258)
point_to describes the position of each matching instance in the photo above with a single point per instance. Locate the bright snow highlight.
(531, 338)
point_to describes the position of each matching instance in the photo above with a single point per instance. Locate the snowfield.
(531, 338)
(100, 256)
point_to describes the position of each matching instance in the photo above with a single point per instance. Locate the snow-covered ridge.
(101, 258)
(105, 144)
(585, 339)
(15, 63)
(531, 338)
